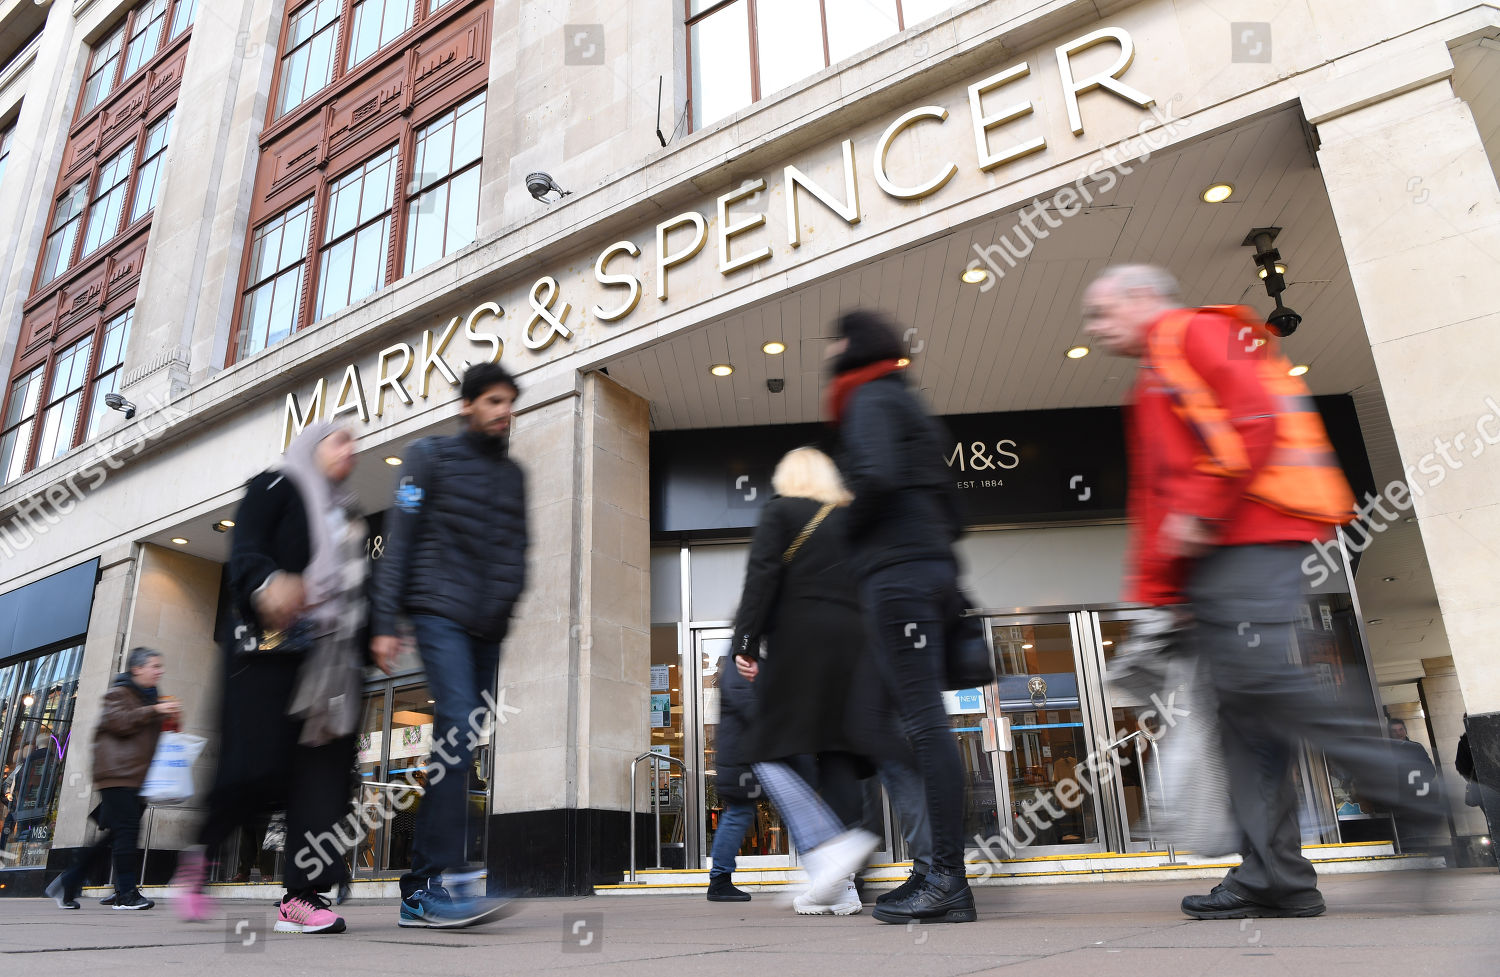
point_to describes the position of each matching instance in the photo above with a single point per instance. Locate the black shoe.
(1223, 904)
(58, 892)
(912, 883)
(721, 889)
(109, 900)
(132, 900)
(941, 898)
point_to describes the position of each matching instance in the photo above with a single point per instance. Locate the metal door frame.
(1087, 673)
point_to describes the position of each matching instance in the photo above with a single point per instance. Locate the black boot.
(941, 898)
(912, 883)
(720, 889)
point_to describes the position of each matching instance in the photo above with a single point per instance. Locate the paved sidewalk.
(1377, 924)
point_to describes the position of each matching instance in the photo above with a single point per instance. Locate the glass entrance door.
(1042, 688)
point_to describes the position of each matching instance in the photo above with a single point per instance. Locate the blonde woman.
(799, 597)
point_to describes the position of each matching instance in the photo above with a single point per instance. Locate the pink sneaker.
(307, 915)
(192, 903)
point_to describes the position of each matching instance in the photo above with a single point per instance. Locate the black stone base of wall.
(160, 867)
(1484, 742)
(564, 852)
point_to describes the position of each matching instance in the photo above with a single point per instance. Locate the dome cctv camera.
(116, 402)
(1283, 321)
(776, 384)
(540, 184)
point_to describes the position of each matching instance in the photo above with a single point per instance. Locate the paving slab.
(1442, 923)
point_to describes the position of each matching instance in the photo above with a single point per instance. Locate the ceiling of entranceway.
(977, 351)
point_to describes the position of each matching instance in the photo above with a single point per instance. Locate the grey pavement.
(1404, 923)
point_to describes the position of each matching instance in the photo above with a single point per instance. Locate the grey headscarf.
(327, 696)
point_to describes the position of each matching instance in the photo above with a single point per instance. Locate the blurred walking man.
(455, 564)
(1232, 481)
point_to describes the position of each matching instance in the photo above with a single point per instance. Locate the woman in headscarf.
(292, 677)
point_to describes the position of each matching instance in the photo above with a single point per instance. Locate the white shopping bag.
(170, 779)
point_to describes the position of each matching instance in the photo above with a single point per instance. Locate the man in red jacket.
(1232, 480)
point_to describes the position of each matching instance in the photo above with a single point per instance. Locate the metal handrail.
(1140, 750)
(655, 802)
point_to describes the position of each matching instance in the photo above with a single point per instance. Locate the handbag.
(275, 837)
(970, 663)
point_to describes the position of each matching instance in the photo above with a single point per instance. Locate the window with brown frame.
(76, 321)
(742, 50)
(370, 162)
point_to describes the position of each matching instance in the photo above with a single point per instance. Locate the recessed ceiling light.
(1389, 579)
(392, 460)
(1025, 647)
(1107, 643)
(1077, 352)
(1376, 620)
(1280, 270)
(773, 348)
(903, 361)
(1218, 193)
(227, 523)
(721, 369)
(180, 540)
(1297, 370)
(1411, 518)
(973, 276)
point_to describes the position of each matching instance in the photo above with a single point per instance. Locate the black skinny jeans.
(911, 607)
(119, 814)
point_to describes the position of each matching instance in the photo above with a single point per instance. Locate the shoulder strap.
(808, 530)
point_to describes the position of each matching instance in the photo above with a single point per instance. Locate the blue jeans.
(910, 608)
(736, 821)
(460, 669)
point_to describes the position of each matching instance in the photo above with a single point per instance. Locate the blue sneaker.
(436, 908)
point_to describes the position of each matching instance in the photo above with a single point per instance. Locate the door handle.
(995, 735)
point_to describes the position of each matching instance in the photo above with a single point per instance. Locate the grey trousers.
(1244, 600)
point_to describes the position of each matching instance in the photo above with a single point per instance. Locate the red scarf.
(843, 386)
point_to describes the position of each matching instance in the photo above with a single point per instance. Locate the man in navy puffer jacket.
(455, 564)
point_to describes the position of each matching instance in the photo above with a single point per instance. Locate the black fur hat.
(872, 338)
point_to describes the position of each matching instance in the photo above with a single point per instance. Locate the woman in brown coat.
(124, 743)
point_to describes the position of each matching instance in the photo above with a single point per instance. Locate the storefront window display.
(37, 698)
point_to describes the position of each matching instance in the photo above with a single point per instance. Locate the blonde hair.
(807, 473)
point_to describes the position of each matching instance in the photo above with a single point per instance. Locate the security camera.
(1283, 321)
(540, 184)
(776, 385)
(116, 402)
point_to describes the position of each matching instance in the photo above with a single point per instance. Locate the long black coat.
(808, 611)
(739, 713)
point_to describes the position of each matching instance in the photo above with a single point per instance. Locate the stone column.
(174, 610)
(1445, 716)
(1418, 211)
(102, 649)
(575, 669)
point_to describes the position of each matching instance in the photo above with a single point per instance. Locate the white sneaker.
(847, 903)
(831, 864)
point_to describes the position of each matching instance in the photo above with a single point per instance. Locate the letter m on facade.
(293, 420)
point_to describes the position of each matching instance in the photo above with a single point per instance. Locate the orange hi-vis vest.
(1302, 477)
